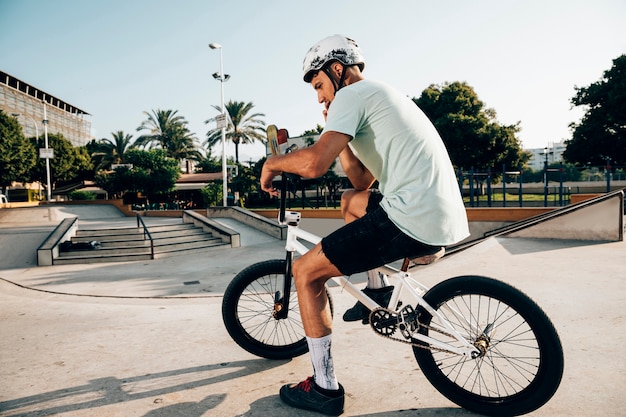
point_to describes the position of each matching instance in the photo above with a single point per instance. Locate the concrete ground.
(101, 339)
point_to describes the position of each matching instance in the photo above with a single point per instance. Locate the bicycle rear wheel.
(522, 362)
(249, 311)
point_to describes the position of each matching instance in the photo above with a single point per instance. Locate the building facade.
(27, 103)
(552, 154)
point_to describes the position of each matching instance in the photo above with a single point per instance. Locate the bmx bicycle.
(482, 343)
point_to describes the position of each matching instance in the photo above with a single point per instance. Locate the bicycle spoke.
(512, 360)
(255, 312)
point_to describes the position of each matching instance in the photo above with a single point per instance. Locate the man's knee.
(312, 271)
(346, 197)
(302, 273)
(354, 204)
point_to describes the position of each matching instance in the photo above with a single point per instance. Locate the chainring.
(383, 321)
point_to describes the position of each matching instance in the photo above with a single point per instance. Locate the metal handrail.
(146, 232)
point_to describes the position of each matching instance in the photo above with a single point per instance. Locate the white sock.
(376, 280)
(323, 369)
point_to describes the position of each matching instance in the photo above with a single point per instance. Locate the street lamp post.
(222, 78)
(46, 155)
(545, 174)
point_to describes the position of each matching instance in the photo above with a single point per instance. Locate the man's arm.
(311, 162)
(360, 177)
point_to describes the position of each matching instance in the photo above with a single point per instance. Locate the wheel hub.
(482, 344)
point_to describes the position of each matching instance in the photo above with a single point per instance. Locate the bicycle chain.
(390, 336)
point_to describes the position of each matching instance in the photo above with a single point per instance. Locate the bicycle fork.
(281, 298)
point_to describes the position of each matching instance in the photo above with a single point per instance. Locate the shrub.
(82, 195)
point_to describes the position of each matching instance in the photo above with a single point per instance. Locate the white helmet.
(336, 47)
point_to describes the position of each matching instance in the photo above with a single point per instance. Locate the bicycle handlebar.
(283, 198)
(283, 189)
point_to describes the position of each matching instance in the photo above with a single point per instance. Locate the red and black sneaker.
(310, 396)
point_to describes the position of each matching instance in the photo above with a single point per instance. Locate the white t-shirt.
(395, 140)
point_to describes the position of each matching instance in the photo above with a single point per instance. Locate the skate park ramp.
(598, 219)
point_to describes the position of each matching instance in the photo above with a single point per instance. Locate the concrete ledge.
(596, 219)
(577, 198)
(504, 214)
(252, 219)
(227, 234)
(49, 249)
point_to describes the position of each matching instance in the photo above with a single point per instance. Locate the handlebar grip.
(283, 198)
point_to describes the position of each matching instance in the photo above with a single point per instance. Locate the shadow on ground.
(111, 390)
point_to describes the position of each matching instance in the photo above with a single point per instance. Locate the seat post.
(405, 265)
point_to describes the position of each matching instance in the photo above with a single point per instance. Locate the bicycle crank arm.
(385, 322)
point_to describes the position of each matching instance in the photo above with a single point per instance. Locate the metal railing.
(146, 232)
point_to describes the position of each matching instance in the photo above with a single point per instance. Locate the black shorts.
(371, 241)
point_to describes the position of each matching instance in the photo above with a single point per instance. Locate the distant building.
(18, 97)
(554, 153)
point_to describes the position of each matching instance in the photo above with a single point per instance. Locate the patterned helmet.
(336, 47)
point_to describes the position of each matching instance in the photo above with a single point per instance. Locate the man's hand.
(311, 162)
(267, 178)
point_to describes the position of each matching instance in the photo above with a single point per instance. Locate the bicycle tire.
(523, 363)
(248, 308)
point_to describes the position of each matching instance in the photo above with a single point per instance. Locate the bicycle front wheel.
(251, 310)
(521, 361)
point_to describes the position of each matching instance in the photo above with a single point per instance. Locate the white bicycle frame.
(402, 280)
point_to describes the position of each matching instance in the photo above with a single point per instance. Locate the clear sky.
(116, 59)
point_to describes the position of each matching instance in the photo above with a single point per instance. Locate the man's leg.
(311, 272)
(354, 206)
(322, 392)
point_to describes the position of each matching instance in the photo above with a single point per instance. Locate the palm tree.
(182, 146)
(169, 131)
(162, 125)
(244, 127)
(109, 151)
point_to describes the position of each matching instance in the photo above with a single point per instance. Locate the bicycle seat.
(429, 258)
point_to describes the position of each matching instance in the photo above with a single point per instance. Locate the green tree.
(209, 163)
(18, 156)
(243, 128)
(106, 151)
(168, 131)
(212, 194)
(601, 134)
(309, 135)
(152, 173)
(84, 163)
(472, 134)
(318, 130)
(69, 163)
(245, 183)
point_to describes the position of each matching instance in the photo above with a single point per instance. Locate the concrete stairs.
(132, 244)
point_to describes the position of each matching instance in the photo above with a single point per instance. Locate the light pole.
(545, 173)
(46, 154)
(222, 78)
